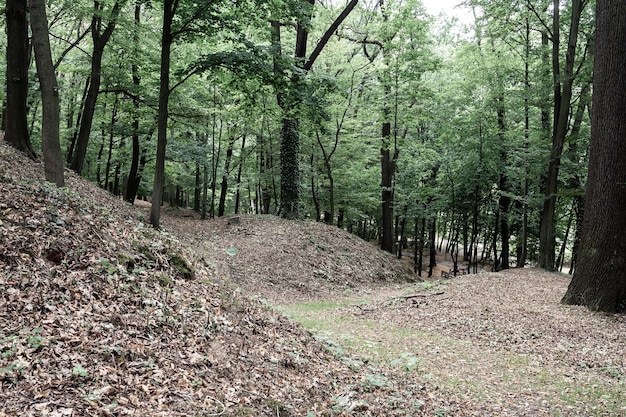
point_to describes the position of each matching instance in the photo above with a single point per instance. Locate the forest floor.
(491, 344)
(102, 315)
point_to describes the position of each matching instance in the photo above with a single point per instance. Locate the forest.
(312, 208)
(373, 115)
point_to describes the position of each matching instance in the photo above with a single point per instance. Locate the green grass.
(360, 341)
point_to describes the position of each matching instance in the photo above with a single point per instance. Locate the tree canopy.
(374, 116)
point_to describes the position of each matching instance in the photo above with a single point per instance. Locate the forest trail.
(492, 344)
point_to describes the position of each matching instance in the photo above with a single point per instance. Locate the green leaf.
(231, 251)
(79, 371)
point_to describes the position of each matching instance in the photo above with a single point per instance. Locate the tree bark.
(52, 156)
(169, 10)
(388, 168)
(289, 137)
(134, 179)
(563, 83)
(100, 39)
(599, 281)
(16, 116)
(221, 207)
(239, 171)
(504, 202)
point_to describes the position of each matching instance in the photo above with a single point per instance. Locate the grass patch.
(427, 355)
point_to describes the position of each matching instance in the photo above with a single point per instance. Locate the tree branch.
(329, 32)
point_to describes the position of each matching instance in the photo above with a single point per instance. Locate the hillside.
(287, 261)
(101, 315)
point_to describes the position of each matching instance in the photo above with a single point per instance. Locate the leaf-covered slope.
(99, 317)
(286, 261)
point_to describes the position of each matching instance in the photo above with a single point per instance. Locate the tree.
(53, 159)
(289, 135)
(563, 87)
(169, 10)
(599, 281)
(134, 177)
(17, 77)
(100, 39)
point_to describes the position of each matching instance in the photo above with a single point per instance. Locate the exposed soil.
(101, 315)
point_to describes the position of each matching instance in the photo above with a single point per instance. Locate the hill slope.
(287, 261)
(101, 315)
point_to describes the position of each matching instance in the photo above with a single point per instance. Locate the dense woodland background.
(371, 115)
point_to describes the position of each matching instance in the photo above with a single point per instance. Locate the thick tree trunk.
(599, 281)
(290, 137)
(289, 169)
(52, 156)
(16, 116)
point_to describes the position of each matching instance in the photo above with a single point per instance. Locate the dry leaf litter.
(100, 315)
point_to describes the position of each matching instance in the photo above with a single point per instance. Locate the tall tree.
(134, 176)
(599, 281)
(17, 77)
(289, 135)
(53, 159)
(167, 37)
(563, 77)
(100, 38)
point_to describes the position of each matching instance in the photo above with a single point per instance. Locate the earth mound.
(102, 315)
(287, 261)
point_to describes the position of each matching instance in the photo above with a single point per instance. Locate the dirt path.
(497, 344)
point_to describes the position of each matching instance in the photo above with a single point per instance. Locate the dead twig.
(408, 297)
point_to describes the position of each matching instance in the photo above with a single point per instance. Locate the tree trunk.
(562, 97)
(132, 184)
(290, 137)
(99, 42)
(599, 281)
(169, 8)
(388, 167)
(224, 186)
(52, 156)
(16, 116)
(316, 203)
(433, 250)
(289, 169)
(74, 129)
(240, 169)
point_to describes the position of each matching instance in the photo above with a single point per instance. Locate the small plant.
(375, 381)
(165, 281)
(407, 362)
(14, 369)
(79, 371)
